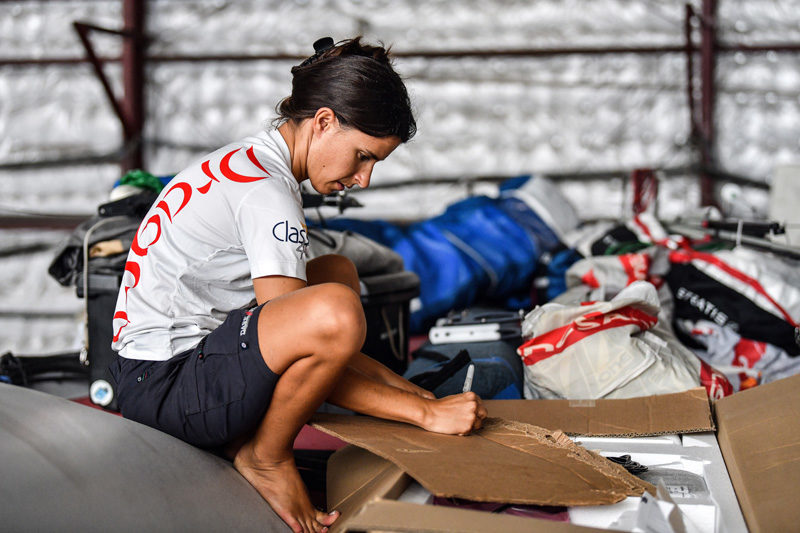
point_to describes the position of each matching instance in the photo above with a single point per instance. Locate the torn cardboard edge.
(364, 487)
(759, 438)
(666, 414)
(505, 461)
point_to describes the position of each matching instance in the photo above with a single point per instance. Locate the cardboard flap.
(759, 436)
(383, 515)
(356, 477)
(683, 412)
(508, 462)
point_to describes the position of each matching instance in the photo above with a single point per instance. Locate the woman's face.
(339, 158)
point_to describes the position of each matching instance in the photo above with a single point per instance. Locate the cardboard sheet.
(385, 515)
(684, 412)
(759, 435)
(356, 477)
(506, 461)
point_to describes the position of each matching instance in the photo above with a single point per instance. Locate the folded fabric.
(757, 294)
(442, 369)
(745, 362)
(610, 238)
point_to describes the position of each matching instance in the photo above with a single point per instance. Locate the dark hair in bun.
(358, 83)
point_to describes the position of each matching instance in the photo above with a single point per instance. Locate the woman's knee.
(338, 316)
(325, 322)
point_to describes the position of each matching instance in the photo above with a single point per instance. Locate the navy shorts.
(207, 396)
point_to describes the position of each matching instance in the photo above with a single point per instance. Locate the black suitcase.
(101, 300)
(97, 281)
(386, 299)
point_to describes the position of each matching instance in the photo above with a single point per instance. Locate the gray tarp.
(68, 467)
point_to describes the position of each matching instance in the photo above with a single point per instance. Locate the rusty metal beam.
(82, 159)
(437, 54)
(758, 48)
(83, 34)
(130, 110)
(708, 47)
(133, 81)
(689, 50)
(50, 61)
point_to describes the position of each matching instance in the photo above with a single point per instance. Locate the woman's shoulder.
(254, 160)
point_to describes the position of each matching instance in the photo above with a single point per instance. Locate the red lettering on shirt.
(187, 194)
(251, 155)
(120, 315)
(140, 249)
(137, 248)
(225, 168)
(135, 270)
(207, 171)
(165, 207)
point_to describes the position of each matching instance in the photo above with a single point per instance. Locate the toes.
(327, 519)
(313, 526)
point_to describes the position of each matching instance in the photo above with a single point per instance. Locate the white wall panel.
(44, 28)
(476, 116)
(27, 290)
(758, 112)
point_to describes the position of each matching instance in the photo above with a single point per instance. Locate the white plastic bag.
(604, 350)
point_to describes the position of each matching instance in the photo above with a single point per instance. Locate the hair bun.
(320, 45)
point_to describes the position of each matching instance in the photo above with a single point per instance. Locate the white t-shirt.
(234, 215)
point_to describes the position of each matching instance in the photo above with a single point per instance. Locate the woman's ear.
(324, 120)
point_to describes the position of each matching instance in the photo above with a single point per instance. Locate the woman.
(198, 358)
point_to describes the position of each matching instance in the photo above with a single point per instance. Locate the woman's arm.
(376, 371)
(270, 287)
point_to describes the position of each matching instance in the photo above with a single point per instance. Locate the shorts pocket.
(219, 381)
(214, 378)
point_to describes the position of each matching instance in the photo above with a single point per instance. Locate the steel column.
(133, 81)
(424, 54)
(694, 134)
(708, 45)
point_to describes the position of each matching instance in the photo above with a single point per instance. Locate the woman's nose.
(363, 176)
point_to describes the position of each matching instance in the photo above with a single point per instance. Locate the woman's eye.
(363, 157)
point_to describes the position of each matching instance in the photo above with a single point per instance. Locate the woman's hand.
(454, 415)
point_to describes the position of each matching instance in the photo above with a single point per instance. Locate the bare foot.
(280, 484)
